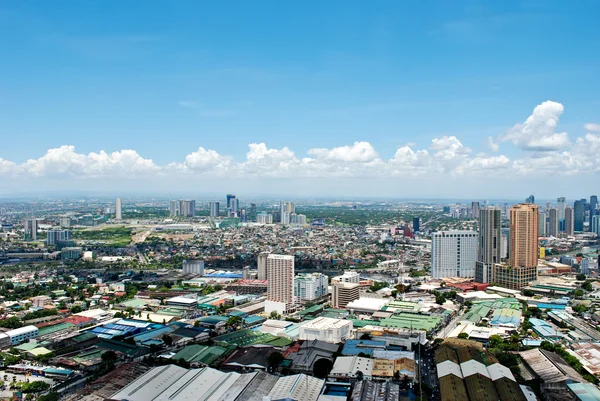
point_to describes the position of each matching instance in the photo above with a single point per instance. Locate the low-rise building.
(326, 329)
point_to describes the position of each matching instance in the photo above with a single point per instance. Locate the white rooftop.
(448, 368)
(297, 387)
(472, 367)
(182, 300)
(324, 323)
(370, 304)
(498, 371)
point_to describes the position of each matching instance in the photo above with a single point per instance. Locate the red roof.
(77, 320)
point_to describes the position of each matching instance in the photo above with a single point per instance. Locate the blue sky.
(165, 78)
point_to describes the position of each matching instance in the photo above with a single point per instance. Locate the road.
(443, 333)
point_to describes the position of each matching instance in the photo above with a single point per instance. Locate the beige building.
(344, 293)
(261, 265)
(524, 235)
(280, 273)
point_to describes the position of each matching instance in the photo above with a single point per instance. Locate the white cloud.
(537, 133)
(493, 145)
(358, 152)
(188, 103)
(592, 127)
(202, 160)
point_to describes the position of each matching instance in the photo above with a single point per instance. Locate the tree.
(580, 277)
(234, 322)
(35, 387)
(587, 286)
(528, 293)
(366, 336)
(76, 309)
(360, 375)
(463, 335)
(168, 340)
(322, 367)
(275, 359)
(109, 357)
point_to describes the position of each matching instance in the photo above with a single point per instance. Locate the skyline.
(480, 100)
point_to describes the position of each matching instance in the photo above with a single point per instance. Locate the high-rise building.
(282, 211)
(118, 209)
(593, 206)
(264, 218)
(579, 216)
(453, 254)
(561, 205)
(542, 222)
(570, 220)
(232, 205)
(348, 277)
(280, 276)
(475, 210)
(285, 218)
(187, 208)
(173, 208)
(252, 212)
(261, 264)
(524, 236)
(489, 243)
(30, 227)
(416, 224)
(55, 235)
(290, 207)
(595, 225)
(310, 286)
(530, 199)
(343, 293)
(553, 223)
(193, 266)
(214, 208)
(65, 221)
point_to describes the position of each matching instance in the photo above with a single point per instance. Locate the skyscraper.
(252, 212)
(280, 287)
(570, 220)
(475, 210)
(173, 208)
(453, 254)
(187, 208)
(282, 210)
(416, 224)
(261, 264)
(542, 220)
(214, 209)
(579, 207)
(489, 243)
(524, 236)
(562, 204)
(593, 202)
(118, 209)
(595, 226)
(30, 229)
(232, 205)
(530, 199)
(290, 207)
(553, 223)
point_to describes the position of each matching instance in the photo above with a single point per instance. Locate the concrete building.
(30, 229)
(489, 243)
(524, 235)
(71, 253)
(326, 329)
(22, 334)
(348, 277)
(561, 205)
(264, 218)
(310, 286)
(280, 287)
(174, 208)
(342, 293)
(261, 264)
(118, 214)
(553, 223)
(232, 205)
(214, 209)
(543, 223)
(570, 220)
(514, 278)
(595, 226)
(65, 222)
(453, 254)
(193, 266)
(187, 208)
(55, 235)
(579, 214)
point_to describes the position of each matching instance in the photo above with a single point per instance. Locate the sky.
(408, 99)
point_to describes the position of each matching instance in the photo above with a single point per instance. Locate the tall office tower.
(475, 210)
(416, 224)
(524, 236)
(56, 235)
(453, 254)
(561, 205)
(310, 286)
(282, 210)
(261, 264)
(530, 199)
(232, 205)
(595, 225)
(553, 223)
(570, 220)
(252, 212)
(30, 227)
(593, 203)
(579, 217)
(542, 221)
(214, 208)
(280, 286)
(173, 208)
(343, 293)
(488, 243)
(118, 209)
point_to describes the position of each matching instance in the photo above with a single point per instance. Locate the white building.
(326, 329)
(280, 276)
(22, 334)
(346, 367)
(310, 286)
(453, 254)
(55, 235)
(193, 266)
(261, 265)
(214, 209)
(348, 277)
(118, 209)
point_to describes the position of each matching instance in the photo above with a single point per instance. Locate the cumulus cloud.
(202, 160)
(592, 127)
(537, 133)
(493, 145)
(358, 152)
